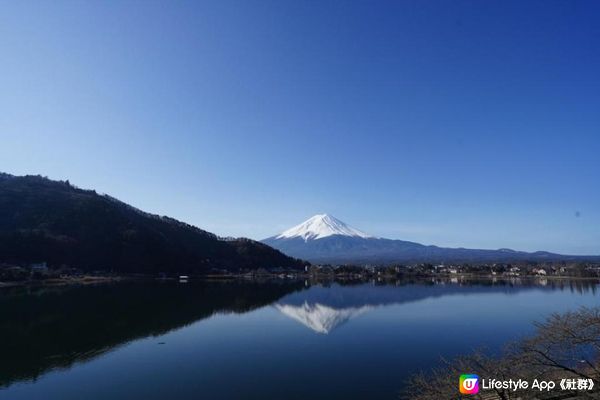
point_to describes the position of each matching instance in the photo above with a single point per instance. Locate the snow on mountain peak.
(320, 226)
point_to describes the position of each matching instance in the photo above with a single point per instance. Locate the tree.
(564, 346)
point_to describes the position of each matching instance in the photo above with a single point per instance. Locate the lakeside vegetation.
(564, 346)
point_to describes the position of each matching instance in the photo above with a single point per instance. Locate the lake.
(251, 340)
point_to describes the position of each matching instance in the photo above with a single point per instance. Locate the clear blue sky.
(457, 123)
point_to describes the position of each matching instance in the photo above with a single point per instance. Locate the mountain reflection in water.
(48, 328)
(320, 318)
(54, 327)
(324, 308)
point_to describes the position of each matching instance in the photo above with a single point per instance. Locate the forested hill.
(42, 220)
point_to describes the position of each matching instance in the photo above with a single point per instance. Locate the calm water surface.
(257, 340)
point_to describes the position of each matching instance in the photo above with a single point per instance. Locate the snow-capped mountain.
(321, 226)
(325, 239)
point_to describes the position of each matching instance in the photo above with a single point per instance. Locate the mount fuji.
(325, 239)
(321, 226)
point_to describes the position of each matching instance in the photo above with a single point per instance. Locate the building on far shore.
(41, 268)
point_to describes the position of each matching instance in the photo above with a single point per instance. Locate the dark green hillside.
(53, 221)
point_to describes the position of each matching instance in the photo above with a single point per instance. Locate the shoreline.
(84, 280)
(91, 280)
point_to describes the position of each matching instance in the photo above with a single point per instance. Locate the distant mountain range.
(55, 222)
(325, 239)
(42, 220)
